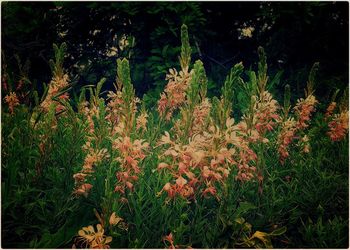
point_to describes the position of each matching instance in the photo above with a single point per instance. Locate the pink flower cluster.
(12, 101)
(195, 167)
(131, 153)
(57, 84)
(91, 160)
(303, 110)
(338, 126)
(265, 113)
(174, 94)
(285, 138)
(330, 109)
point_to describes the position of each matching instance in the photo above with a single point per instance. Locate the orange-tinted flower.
(303, 110)
(330, 109)
(339, 126)
(286, 137)
(114, 219)
(141, 121)
(94, 239)
(170, 240)
(83, 189)
(12, 101)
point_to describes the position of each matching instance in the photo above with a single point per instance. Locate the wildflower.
(79, 177)
(286, 137)
(170, 240)
(57, 83)
(94, 239)
(181, 181)
(330, 109)
(162, 165)
(265, 113)
(141, 121)
(174, 94)
(247, 31)
(83, 189)
(210, 190)
(338, 126)
(123, 42)
(12, 101)
(131, 153)
(114, 219)
(304, 144)
(303, 110)
(200, 114)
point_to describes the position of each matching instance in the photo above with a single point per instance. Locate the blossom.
(131, 153)
(338, 126)
(265, 113)
(285, 138)
(57, 84)
(114, 219)
(83, 189)
(94, 239)
(330, 109)
(303, 110)
(174, 94)
(12, 101)
(141, 121)
(170, 240)
(200, 115)
(247, 31)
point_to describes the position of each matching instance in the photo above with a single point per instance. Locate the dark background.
(294, 35)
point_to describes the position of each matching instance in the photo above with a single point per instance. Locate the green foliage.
(198, 85)
(262, 70)
(332, 232)
(185, 57)
(124, 79)
(286, 103)
(304, 203)
(57, 65)
(311, 80)
(227, 90)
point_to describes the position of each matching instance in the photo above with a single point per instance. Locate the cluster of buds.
(290, 128)
(141, 121)
(195, 167)
(304, 144)
(285, 138)
(200, 114)
(174, 94)
(338, 126)
(240, 136)
(114, 107)
(204, 164)
(265, 113)
(131, 153)
(93, 158)
(330, 110)
(118, 113)
(89, 111)
(12, 101)
(57, 84)
(303, 110)
(246, 171)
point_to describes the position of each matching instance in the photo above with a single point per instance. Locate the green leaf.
(243, 208)
(279, 231)
(99, 86)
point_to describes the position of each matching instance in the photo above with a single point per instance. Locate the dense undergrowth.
(86, 171)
